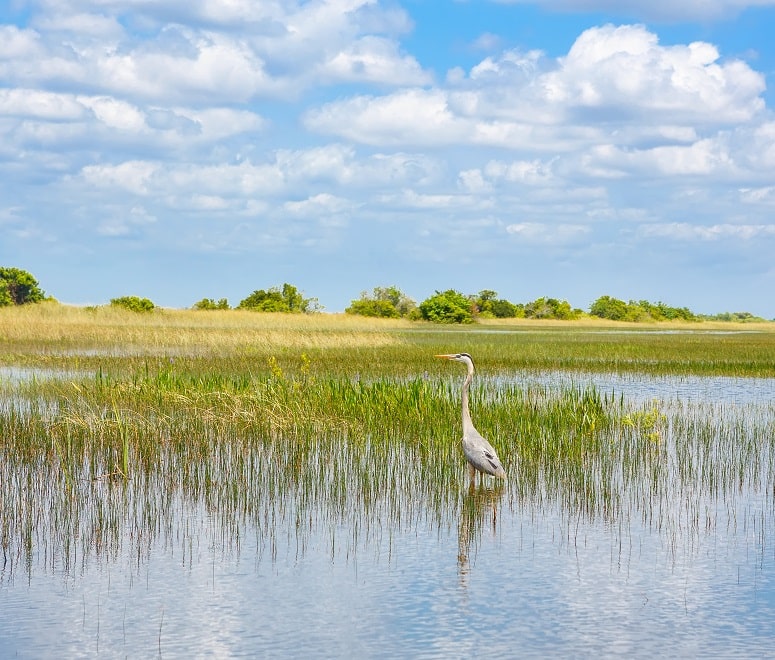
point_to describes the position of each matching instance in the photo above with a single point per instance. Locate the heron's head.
(465, 358)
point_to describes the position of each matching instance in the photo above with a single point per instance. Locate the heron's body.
(479, 453)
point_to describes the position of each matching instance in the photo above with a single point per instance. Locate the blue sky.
(181, 149)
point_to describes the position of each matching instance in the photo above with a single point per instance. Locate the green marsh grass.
(183, 424)
(241, 343)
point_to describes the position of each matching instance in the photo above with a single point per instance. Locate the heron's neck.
(468, 425)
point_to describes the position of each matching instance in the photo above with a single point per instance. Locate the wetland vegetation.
(124, 432)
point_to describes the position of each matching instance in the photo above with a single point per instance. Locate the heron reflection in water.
(478, 511)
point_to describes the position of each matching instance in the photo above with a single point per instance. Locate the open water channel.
(501, 574)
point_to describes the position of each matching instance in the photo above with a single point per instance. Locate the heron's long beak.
(446, 357)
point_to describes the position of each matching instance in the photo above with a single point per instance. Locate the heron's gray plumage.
(480, 454)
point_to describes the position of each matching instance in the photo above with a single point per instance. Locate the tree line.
(18, 287)
(452, 306)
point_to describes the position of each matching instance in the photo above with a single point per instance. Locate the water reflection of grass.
(338, 427)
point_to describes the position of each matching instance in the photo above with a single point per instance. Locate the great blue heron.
(480, 454)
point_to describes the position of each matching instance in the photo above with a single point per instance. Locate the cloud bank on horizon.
(180, 150)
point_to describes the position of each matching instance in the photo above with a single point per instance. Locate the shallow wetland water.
(170, 513)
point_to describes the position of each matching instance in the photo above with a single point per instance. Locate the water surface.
(494, 572)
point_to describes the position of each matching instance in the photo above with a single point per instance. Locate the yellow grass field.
(54, 334)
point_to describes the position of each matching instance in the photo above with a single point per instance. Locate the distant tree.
(374, 308)
(133, 303)
(447, 307)
(288, 299)
(661, 312)
(503, 309)
(488, 305)
(209, 304)
(5, 295)
(610, 308)
(403, 303)
(483, 302)
(550, 308)
(735, 317)
(614, 309)
(18, 287)
(265, 301)
(385, 302)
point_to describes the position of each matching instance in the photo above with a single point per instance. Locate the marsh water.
(685, 569)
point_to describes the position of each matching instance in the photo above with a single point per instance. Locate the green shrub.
(447, 307)
(287, 299)
(210, 304)
(385, 302)
(133, 303)
(18, 287)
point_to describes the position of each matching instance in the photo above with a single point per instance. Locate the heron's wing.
(492, 458)
(481, 455)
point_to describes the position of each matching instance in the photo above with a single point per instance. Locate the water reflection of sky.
(16, 375)
(538, 585)
(539, 581)
(640, 388)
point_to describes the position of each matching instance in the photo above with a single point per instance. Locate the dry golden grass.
(53, 326)
(235, 342)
